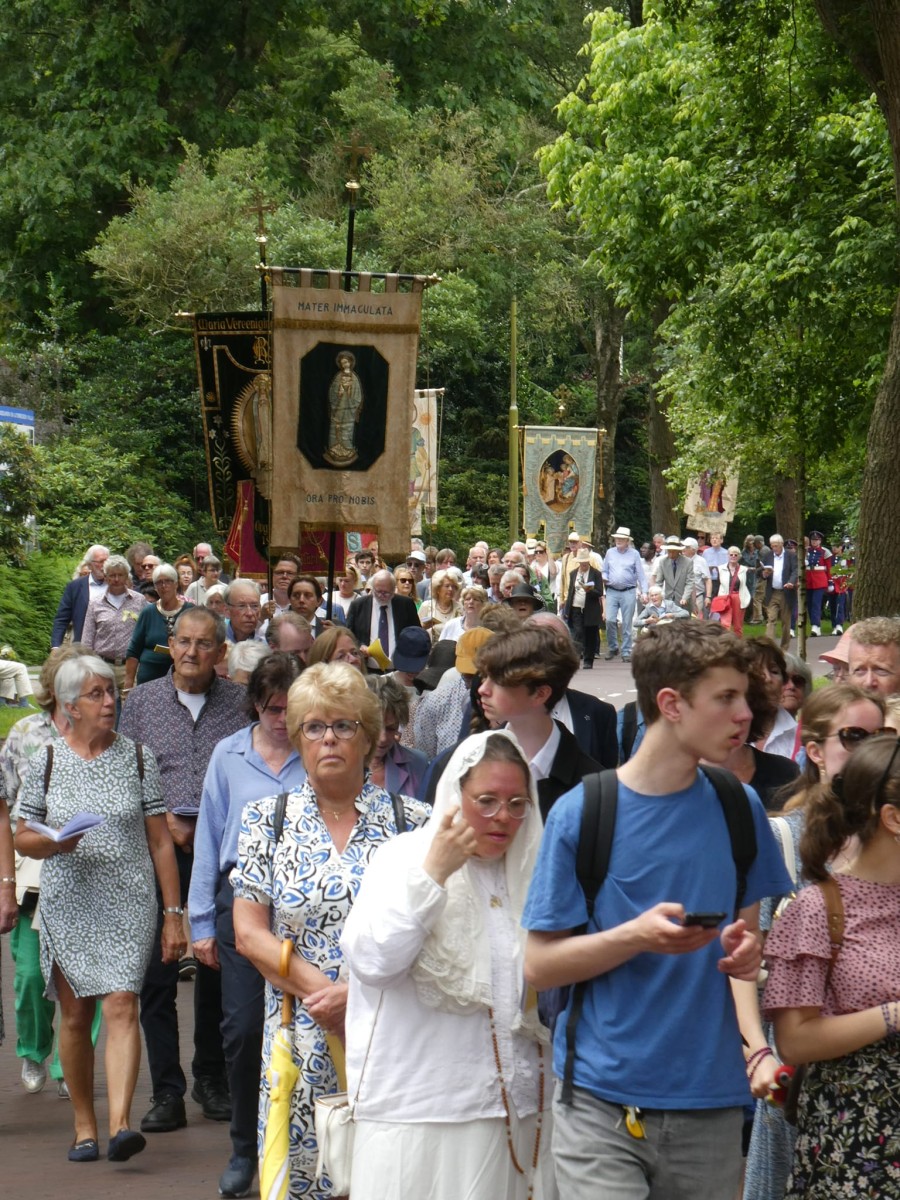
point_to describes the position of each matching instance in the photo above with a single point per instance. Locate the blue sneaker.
(237, 1178)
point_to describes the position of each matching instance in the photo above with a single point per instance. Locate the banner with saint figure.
(344, 373)
(423, 458)
(235, 375)
(558, 482)
(711, 501)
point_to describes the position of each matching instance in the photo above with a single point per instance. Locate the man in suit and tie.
(584, 607)
(380, 615)
(78, 594)
(675, 574)
(779, 569)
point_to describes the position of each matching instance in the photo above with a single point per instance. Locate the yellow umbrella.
(275, 1168)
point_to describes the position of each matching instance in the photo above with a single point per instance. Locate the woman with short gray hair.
(98, 892)
(148, 654)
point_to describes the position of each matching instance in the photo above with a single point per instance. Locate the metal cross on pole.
(260, 208)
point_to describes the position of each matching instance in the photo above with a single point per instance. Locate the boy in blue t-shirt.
(659, 1075)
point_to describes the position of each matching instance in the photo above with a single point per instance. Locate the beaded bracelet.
(756, 1058)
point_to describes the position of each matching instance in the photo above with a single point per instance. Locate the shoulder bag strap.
(48, 770)
(834, 904)
(399, 813)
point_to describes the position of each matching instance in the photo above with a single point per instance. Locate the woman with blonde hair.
(443, 605)
(298, 878)
(339, 645)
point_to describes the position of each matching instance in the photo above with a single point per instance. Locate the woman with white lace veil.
(446, 1067)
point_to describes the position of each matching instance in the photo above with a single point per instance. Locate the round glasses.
(488, 806)
(342, 729)
(852, 735)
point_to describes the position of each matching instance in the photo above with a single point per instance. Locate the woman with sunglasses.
(435, 951)
(834, 997)
(836, 720)
(302, 884)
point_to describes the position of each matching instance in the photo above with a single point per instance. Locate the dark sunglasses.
(852, 735)
(797, 680)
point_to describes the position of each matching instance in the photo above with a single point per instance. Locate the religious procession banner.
(423, 458)
(235, 374)
(558, 482)
(343, 382)
(711, 501)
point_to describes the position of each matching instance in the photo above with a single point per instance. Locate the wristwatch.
(175, 909)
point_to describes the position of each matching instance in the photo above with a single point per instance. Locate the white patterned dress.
(309, 887)
(98, 904)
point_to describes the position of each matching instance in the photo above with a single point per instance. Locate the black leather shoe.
(212, 1096)
(166, 1114)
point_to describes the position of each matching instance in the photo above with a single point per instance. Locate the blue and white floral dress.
(310, 888)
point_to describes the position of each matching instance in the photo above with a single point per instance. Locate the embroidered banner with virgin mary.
(344, 373)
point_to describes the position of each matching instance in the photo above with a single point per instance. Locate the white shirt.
(777, 570)
(373, 629)
(783, 736)
(563, 714)
(542, 762)
(194, 702)
(456, 1076)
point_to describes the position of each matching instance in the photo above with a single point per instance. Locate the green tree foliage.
(29, 597)
(732, 175)
(19, 476)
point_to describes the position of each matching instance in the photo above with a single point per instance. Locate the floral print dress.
(310, 888)
(848, 1119)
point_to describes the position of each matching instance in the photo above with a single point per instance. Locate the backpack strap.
(399, 812)
(598, 823)
(741, 830)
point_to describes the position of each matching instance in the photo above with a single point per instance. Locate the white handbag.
(335, 1130)
(334, 1134)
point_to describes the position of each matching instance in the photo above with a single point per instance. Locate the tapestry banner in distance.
(558, 482)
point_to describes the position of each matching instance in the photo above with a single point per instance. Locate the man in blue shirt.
(659, 1076)
(623, 576)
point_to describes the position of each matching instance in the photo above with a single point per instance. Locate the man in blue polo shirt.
(658, 1072)
(623, 577)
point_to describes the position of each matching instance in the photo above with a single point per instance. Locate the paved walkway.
(36, 1131)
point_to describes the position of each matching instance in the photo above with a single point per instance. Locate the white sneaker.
(793, 633)
(838, 629)
(34, 1075)
(815, 631)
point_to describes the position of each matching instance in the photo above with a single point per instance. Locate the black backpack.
(595, 839)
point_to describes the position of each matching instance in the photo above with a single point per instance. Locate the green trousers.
(34, 1012)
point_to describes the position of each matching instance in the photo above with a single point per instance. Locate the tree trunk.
(609, 325)
(664, 515)
(877, 573)
(788, 518)
(868, 31)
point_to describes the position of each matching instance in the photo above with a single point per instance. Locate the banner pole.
(513, 426)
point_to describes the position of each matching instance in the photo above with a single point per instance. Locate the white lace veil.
(453, 969)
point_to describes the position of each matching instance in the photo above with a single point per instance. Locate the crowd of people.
(548, 949)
